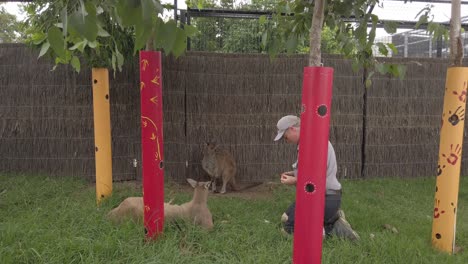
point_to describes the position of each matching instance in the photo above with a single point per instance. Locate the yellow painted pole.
(450, 156)
(102, 133)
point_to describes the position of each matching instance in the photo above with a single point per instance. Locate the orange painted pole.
(450, 156)
(102, 133)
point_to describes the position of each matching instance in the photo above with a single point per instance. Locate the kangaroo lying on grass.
(195, 210)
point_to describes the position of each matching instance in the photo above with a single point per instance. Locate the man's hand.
(287, 179)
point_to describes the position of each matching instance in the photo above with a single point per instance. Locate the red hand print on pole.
(436, 210)
(454, 154)
(462, 94)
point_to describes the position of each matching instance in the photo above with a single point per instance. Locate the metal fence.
(238, 31)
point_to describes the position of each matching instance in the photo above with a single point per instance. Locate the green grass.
(55, 220)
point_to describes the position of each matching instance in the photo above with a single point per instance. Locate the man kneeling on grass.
(334, 219)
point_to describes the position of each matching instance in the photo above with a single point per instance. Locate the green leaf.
(393, 48)
(264, 38)
(120, 58)
(159, 33)
(355, 65)
(262, 20)
(148, 9)
(382, 49)
(180, 43)
(38, 37)
(422, 20)
(390, 27)
(102, 33)
(113, 62)
(190, 31)
(92, 44)
(55, 38)
(130, 12)
(291, 44)
(86, 26)
(169, 33)
(75, 63)
(79, 45)
(44, 48)
(382, 68)
(401, 69)
(64, 17)
(142, 33)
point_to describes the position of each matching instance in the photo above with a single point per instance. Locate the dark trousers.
(332, 205)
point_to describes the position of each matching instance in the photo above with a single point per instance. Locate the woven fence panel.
(403, 121)
(46, 117)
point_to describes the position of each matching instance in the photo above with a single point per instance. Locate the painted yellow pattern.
(142, 85)
(145, 121)
(145, 64)
(102, 133)
(154, 100)
(156, 78)
(450, 154)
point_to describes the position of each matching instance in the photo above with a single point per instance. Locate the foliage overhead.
(10, 27)
(348, 23)
(103, 32)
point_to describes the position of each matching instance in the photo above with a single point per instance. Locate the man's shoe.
(343, 229)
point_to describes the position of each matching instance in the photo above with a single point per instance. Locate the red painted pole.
(152, 142)
(312, 164)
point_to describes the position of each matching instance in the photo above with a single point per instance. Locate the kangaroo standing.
(219, 163)
(195, 210)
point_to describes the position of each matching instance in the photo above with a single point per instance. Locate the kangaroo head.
(195, 184)
(209, 147)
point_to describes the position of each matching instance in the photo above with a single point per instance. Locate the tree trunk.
(456, 46)
(315, 56)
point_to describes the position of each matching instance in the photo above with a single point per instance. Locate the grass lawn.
(55, 220)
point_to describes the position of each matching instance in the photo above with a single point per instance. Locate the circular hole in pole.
(438, 236)
(96, 149)
(102, 195)
(322, 110)
(161, 164)
(107, 97)
(309, 187)
(95, 81)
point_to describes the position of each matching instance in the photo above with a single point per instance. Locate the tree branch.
(315, 56)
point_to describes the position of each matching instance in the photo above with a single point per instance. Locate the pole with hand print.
(102, 133)
(450, 152)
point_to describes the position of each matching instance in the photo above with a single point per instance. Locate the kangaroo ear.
(207, 184)
(192, 182)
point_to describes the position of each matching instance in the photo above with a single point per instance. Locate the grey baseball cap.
(286, 122)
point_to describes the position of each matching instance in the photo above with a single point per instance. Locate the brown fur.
(195, 210)
(219, 164)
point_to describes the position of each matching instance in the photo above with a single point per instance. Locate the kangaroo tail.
(236, 188)
(233, 184)
(252, 185)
